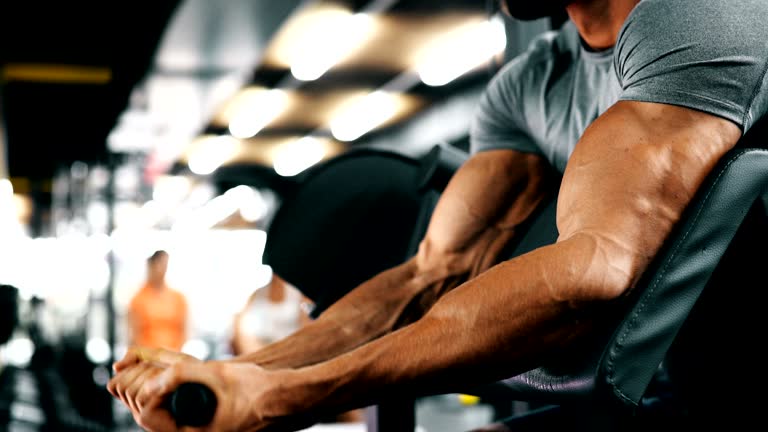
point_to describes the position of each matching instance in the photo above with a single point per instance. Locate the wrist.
(301, 393)
(284, 396)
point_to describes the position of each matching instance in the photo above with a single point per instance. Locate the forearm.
(386, 302)
(497, 325)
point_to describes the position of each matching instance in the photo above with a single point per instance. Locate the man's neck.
(156, 284)
(599, 21)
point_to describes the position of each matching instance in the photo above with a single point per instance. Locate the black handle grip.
(192, 404)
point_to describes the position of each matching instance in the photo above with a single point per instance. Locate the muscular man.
(634, 101)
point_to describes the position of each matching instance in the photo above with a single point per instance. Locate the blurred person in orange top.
(158, 314)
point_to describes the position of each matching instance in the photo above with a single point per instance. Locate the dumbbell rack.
(37, 401)
(20, 408)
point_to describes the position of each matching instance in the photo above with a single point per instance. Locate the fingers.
(131, 387)
(169, 357)
(157, 391)
(162, 355)
(156, 420)
(146, 386)
(169, 379)
(127, 384)
(119, 384)
(133, 390)
(152, 398)
(130, 358)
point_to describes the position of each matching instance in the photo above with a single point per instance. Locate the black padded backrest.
(671, 287)
(717, 356)
(349, 219)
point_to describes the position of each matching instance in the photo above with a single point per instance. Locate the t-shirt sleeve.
(498, 119)
(706, 55)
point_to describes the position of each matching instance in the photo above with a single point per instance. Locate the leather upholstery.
(347, 220)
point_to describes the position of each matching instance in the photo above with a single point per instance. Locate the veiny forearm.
(386, 302)
(484, 330)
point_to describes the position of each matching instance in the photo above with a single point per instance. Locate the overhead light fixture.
(361, 117)
(210, 153)
(170, 190)
(295, 157)
(256, 112)
(6, 189)
(220, 208)
(462, 51)
(327, 42)
(251, 204)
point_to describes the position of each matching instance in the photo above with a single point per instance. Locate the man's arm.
(628, 182)
(488, 197)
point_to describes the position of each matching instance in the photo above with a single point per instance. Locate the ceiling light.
(250, 202)
(371, 111)
(210, 153)
(170, 190)
(257, 112)
(327, 42)
(6, 189)
(297, 156)
(207, 216)
(461, 52)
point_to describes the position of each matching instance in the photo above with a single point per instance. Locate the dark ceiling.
(51, 120)
(67, 71)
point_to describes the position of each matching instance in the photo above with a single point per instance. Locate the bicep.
(493, 188)
(631, 176)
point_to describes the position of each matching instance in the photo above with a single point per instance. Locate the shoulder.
(519, 81)
(138, 297)
(708, 55)
(658, 24)
(179, 295)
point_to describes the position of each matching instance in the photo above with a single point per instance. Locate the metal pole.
(4, 174)
(110, 201)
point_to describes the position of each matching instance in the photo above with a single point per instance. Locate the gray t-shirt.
(708, 55)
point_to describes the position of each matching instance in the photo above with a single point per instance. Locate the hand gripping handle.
(192, 404)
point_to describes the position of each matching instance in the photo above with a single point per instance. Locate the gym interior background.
(127, 127)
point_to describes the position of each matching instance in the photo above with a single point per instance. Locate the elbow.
(598, 268)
